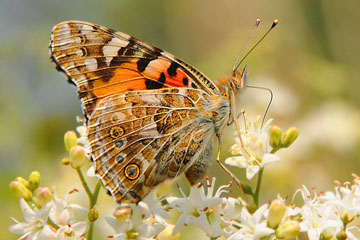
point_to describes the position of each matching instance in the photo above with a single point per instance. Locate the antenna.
(268, 106)
(275, 22)
(257, 23)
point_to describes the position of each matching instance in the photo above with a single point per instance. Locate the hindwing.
(139, 139)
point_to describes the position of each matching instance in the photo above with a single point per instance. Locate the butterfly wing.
(102, 62)
(147, 111)
(141, 138)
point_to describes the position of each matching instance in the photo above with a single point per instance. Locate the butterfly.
(149, 115)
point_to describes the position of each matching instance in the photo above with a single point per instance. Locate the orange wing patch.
(125, 78)
(168, 74)
(158, 73)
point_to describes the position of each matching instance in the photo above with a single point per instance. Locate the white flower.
(138, 226)
(318, 219)
(121, 228)
(74, 231)
(254, 154)
(344, 202)
(143, 221)
(205, 210)
(252, 226)
(82, 130)
(152, 207)
(35, 222)
(62, 214)
(91, 172)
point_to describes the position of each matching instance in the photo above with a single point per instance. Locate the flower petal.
(251, 171)
(236, 161)
(26, 210)
(269, 158)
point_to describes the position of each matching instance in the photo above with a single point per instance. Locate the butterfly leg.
(228, 172)
(235, 120)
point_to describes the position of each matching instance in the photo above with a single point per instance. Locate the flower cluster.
(46, 216)
(324, 215)
(205, 209)
(330, 215)
(142, 221)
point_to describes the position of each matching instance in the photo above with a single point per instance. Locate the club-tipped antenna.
(275, 22)
(257, 23)
(270, 101)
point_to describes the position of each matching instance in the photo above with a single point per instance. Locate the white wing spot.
(108, 60)
(111, 49)
(79, 53)
(72, 68)
(77, 40)
(117, 117)
(90, 64)
(151, 99)
(119, 41)
(149, 131)
(65, 29)
(86, 28)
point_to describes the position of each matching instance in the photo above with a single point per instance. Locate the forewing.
(138, 139)
(102, 62)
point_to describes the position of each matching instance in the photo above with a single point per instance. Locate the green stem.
(93, 201)
(258, 186)
(90, 232)
(259, 180)
(274, 150)
(95, 195)
(84, 184)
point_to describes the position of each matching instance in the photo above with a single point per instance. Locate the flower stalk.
(93, 196)
(258, 187)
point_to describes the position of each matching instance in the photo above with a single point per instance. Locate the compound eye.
(238, 83)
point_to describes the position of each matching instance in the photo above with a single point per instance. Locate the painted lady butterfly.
(150, 116)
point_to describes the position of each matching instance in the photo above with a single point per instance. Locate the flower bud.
(43, 195)
(289, 137)
(19, 190)
(122, 213)
(289, 229)
(70, 140)
(252, 208)
(34, 180)
(77, 156)
(341, 235)
(348, 217)
(23, 181)
(65, 161)
(246, 188)
(276, 213)
(93, 215)
(328, 234)
(275, 134)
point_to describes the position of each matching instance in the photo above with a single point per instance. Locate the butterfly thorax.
(221, 108)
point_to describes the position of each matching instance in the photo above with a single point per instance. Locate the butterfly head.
(238, 80)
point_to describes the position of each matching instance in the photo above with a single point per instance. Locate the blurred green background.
(310, 61)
